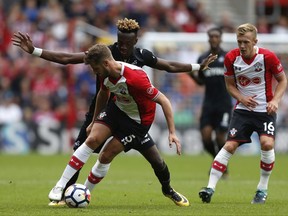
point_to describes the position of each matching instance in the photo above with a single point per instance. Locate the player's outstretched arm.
(25, 43)
(207, 61)
(167, 110)
(178, 67)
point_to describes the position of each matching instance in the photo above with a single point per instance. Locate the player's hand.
(205, 63)
(23, 41)
(173, 139)
(272, 107)
(249, 102)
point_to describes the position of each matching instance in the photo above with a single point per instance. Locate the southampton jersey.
(254, 76)
(139, 57)
(134, 93)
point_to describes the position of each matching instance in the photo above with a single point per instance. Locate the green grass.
(130, 188)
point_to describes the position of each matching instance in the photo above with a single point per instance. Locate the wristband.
(37, 51)
(195, 67)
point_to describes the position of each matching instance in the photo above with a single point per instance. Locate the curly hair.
(127, 25)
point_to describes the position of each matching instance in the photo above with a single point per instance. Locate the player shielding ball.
(128, 117)
(249, 75)
(123, 50)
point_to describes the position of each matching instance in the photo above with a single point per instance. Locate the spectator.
(281, 27)
(10, 111)
(226, 24)
(262, 25)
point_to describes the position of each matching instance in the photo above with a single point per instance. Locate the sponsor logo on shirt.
(123, 99)
(214, 72)
(245, 81)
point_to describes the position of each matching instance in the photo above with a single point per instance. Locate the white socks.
(97, 173)
(266, 166)
(77, 160)
(219, 166)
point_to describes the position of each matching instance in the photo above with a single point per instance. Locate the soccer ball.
(77, 196)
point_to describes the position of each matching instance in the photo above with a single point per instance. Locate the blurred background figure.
(10, 111)
(217, 103)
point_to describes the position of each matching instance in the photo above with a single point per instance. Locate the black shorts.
(244, 123)
(131, 134)
(218, 118)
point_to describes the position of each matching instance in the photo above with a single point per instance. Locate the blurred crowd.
(34, 90)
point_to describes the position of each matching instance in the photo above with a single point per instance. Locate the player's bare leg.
(102, 165)
(161, 170)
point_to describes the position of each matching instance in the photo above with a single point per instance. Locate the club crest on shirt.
(150, 90)
(243, 80)
(258, 67)
(233, 132)
(101, 115)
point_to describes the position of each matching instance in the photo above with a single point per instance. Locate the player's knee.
(231, 147)
(92, 142)
(266, 145)
(106, 157)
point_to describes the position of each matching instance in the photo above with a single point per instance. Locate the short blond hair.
(97, 53)
(247, 27)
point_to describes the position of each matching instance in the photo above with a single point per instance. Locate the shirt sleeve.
(144, 87)
(275, 64)
(228, 66)
(148, 57)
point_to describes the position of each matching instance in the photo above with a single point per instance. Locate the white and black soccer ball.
(77, 196)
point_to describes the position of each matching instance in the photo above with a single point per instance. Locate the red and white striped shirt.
(253, 76)
(134, 93)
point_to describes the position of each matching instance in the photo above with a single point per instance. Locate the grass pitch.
(131, 188)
